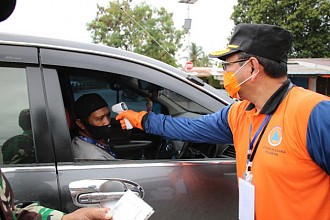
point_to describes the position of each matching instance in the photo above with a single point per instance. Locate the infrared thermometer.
(119, 108)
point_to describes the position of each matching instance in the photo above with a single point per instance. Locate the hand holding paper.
(131, 207)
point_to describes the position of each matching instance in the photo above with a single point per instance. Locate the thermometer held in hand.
(119, 108)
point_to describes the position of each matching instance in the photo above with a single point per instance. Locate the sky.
(66, 19)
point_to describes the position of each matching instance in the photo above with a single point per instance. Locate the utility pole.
(187, 23)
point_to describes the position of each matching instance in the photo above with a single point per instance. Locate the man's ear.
(80, 124)
(255, 66)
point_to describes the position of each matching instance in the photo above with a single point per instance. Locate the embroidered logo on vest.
(275, 136)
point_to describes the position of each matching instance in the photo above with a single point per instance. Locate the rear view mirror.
(6, 8)
(144, 85)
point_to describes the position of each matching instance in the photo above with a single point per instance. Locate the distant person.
(280, 131)
(20, 148)
(94, 129)
(34, 211)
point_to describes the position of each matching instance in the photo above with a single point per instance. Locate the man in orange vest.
(280, 131)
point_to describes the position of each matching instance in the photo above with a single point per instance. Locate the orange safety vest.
(288, 183)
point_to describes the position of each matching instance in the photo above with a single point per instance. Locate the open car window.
(139, 95)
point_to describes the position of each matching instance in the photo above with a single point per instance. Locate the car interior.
(139, 95)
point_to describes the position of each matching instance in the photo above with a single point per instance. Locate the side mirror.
(6, 8)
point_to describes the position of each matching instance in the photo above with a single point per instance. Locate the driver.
(94, 129)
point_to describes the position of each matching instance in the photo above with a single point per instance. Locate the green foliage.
(137, 29)
(198, 56)
(308, 20)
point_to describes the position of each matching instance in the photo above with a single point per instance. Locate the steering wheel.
(192, 150)
(168, 149)
(185, 152)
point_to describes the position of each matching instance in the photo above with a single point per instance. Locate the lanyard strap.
(261, 130)
(100, 145)
(264, 122)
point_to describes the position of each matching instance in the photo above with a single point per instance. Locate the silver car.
(180, 180)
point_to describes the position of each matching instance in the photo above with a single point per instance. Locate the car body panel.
(181, 189)
(34, 183)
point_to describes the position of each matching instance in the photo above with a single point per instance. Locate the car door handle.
(97, 191)
(92, 198)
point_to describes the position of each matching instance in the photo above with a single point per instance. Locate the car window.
(112, 91)
(139, 95)
(16, 137)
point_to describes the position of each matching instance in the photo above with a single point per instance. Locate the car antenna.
(123, 9)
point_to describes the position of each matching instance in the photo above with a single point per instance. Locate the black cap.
(87, 104)
(264, 40)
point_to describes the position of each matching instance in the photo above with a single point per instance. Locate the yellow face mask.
(231, 84)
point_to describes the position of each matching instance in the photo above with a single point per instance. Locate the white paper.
(246, 200)
(131, 207)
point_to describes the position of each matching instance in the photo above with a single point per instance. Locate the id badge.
(246, 200)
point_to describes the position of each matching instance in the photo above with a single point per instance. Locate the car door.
(177, 185)
(27, 156)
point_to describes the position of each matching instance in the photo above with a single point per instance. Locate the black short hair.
(272, 68)
(24, 119)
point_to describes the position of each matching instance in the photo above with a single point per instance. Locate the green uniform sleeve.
(36, 212)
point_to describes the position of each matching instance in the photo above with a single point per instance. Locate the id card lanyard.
(246, 188)
(252, 150)
(102, 146)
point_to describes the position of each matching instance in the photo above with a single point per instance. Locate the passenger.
(20, 148)
(290, 174)
(94, 129)
(34, 211)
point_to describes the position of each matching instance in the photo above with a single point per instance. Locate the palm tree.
(195, 53)
(198, 56)
(204, 61)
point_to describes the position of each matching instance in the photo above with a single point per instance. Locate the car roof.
(45, 42)
(98, 49)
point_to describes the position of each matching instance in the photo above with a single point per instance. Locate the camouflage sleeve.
(36, 212)
(19, 149)
(22, 211)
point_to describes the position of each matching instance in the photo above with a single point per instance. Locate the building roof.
(296, 67)
(309, 67)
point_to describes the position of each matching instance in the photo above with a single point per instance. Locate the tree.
(308, 20)
(195, 53)
(198, 56)
(204, 61)
(141, 29)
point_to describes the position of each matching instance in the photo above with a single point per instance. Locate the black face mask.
(99, 132)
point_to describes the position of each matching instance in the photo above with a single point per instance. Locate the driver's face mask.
(99, 132)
